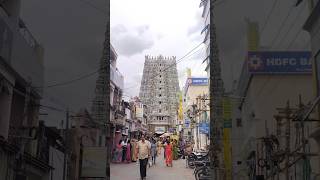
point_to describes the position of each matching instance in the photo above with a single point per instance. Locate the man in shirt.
(143, 154)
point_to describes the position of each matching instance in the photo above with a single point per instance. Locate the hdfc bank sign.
(279, 62)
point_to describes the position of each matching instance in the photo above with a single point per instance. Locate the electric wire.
(269, 15)
(104, 12)
(23, 94)
(291, 25)
(70, 81)
(282, 25)
(173, 64)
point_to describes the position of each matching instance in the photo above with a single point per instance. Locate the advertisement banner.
(139, 111)
(94, 162)
(279, 62)
(204, 128)
(227, 117)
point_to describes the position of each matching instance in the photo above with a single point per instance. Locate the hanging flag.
(205, 28)
(202, 3)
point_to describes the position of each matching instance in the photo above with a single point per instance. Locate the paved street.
(157, 172)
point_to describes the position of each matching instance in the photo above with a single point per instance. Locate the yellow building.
(195, 107)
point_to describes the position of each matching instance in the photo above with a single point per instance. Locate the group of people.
(125, 151)
(148, 148)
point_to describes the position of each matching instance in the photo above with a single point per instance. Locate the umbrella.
(165, 134)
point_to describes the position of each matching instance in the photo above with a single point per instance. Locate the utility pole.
(66, 146)
(216, 93)
(22, 135)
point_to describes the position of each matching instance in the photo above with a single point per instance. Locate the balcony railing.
(24, 31)
(116, 77)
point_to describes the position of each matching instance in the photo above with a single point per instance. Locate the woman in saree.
(169, 153)
(159, 147)
(128, 153)
(134, 150)
(175, 149)
(119, 152)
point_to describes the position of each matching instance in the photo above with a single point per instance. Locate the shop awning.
(159, 132)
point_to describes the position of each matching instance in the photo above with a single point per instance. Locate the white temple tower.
(159, 91)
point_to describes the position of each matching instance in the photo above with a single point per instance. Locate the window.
(159, 95)
(317, 62)
(159, 64)
(160, 70)
(159, 102)
(160, 75)
(160, 82)
(159, 88)
(159, 110)
(239, 122)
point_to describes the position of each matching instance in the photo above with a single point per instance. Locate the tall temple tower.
(159, 90)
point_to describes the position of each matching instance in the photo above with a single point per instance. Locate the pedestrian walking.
(169, 154)
(182, 147)
(128, 153)
(119, 152)
(164, 148)
(153, 152)
(124, 149)
(143, 154)
(159, 146)
(134, 149)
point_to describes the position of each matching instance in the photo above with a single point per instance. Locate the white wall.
(265, 94)
(56, 161)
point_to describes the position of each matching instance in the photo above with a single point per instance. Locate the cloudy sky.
(153, 27)
(72, 33)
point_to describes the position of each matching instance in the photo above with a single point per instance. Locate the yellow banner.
(227, 116)
(253, 35)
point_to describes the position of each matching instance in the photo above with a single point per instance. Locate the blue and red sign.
(197, 81)
(279, 62)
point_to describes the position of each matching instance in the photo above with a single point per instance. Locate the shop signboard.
(279, 62)
(94, 162)
(187, 123)
(204, 128)
(139, 110)
(172, 130)
(160, 129)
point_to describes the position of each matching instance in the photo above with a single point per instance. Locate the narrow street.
(156, 172)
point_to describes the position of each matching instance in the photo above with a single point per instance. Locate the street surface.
(157, 172)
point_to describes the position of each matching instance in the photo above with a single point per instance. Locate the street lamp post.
(81, 154)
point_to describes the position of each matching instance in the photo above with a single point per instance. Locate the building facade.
(21, 70)
(312, 25)
(206, 31)
(159, 91)
(196, 111)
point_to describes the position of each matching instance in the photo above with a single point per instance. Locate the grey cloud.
(129, 43)
(142, 29)
(119, 29)
(196, 28)
(160, 36)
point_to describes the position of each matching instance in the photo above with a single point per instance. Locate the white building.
(196, 110)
